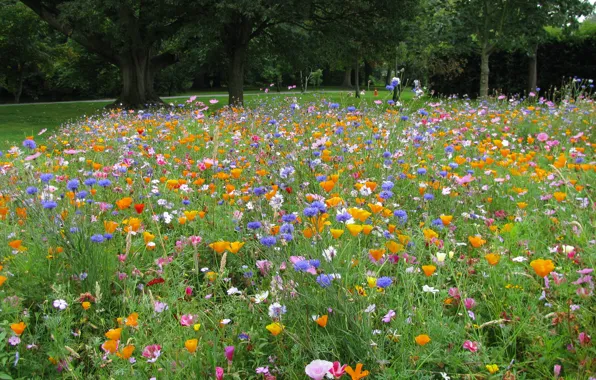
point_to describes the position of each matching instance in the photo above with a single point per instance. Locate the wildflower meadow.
(438, 238)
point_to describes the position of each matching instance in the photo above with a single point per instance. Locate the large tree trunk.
(533, 70)
(484, 72)
(357, 77)
(137, 70)
(347, 78)
(236, 76)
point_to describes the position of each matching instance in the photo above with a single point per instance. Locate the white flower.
(370, 308)
(60, 304)
(446, 191)
(519, 259)
(261, 297)
(429, 289)
(329, 253)
(441, 256)
(233, 291)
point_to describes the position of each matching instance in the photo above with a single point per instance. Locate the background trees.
(136, 50)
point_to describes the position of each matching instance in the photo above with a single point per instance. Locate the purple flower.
(229, 351)
(384, 282)
(324, 280)
(389, 316)
(29, 144)
(14, 340)
(268, 241)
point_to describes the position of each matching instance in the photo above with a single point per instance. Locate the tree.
(240, 22)
(22, 47)
(126, 33)
(493, 24)
(562, 14)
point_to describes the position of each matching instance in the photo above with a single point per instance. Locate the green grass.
(17, 122)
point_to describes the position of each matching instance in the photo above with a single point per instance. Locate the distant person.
(376, 92)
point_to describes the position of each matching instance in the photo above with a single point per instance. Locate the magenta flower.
(542, 137)
(470, 346)
(188, 319)
(317, 369)
(557, 371)
(219, 372)
(584, 339)
(229, 350)
(152, 352)
(469, 303)
(338, 370)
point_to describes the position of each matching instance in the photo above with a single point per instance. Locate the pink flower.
(229, 351)
(338, 370)
(188, 320)
(557, 371)
(471, 346)
(584, 339)
(195, 240)
(469, 303)
(542, 137)
(214, 101)
(317, 369)
(389, 316)
(188, 291)
(219, 372)
(152, 352)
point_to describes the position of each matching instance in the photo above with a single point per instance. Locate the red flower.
(289, 190)
(156, 281)
(139, 207)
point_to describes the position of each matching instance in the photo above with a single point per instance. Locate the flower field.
(298, 240)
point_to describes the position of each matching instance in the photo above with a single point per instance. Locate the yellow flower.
(493, 259)
(275, 328)
(235, 246)
(492, 368)
(422, 339)
(429, 270)
(560, 197)
(196, 326)
(354, 229)
(18, 328)
(86, 305)
(476, 241)
(336, 233)
(372, 282)
(219, 246)
(191, 345)
(542, 267)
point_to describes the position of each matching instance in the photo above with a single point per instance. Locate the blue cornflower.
(428, 197)
(405, 118)
(32, 190)
(186, 202)
(315, 263)
(310, 211)
(324, 280)
(104, 182)
(343, 217)
(287, 228)
(421, 171)
(301, 266)
(73, 184)
(386, 154)
(254, 225)
(108, 236)
(90, 182)
(351, 108)
(268, 241)
(29, 144)
(449, 149)
(258, 191)
(46, 177)
(385, 194)
(443, 173)
(387, 185)
(82, 194)
(288, 218)
(97, 238)
(384, 282)
(390, 87)
(319, 206)
(334, 105)
(453, 165)
(49, 205)
(287, 237)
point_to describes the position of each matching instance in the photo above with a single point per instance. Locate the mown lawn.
(17, 122)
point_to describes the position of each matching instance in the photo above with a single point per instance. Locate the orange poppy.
(542, 267)
(358, 373)
(429, 270)
(422, 339)
(18, 328)
(322, 321)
